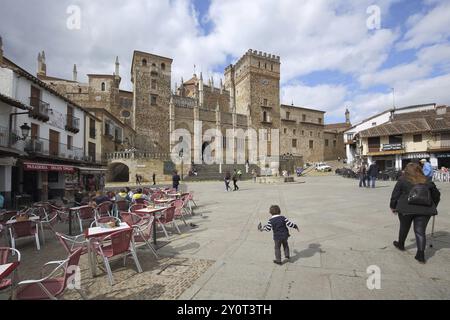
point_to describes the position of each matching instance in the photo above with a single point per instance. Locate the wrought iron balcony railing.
(40, 109)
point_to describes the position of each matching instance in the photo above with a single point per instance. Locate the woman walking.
(414, 199)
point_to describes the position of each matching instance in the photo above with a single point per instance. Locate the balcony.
(438, 145)
(40, 109)
(44, 147)
(72, 124)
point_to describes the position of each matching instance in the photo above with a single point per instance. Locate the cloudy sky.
(332, 52)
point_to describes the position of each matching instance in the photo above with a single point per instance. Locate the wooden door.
(54, 143)
(34, 131)
(35, 97)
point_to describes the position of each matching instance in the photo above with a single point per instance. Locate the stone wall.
(336, 146)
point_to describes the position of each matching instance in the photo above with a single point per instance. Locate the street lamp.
(25, 130)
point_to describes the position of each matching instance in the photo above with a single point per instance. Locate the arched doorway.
(204, 145)
(118, 172)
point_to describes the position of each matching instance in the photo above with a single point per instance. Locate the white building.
(44, 163)
(351, 136)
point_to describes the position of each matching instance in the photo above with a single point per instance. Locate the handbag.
(420, 195)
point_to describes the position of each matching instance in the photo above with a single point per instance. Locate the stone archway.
(118, 172)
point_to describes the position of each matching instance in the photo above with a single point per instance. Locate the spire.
(42, 67)
(221, 86)
(212, 84)
(1, 50)
(74, 73)
(175, 90)
(201, 76)
(347, 116)
(117, 67)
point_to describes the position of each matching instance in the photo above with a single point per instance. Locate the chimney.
(117, 67)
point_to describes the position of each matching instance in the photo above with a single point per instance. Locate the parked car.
(323, 167)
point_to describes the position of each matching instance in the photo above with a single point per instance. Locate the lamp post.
(180, 154)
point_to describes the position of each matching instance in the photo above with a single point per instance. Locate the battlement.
(256, 54)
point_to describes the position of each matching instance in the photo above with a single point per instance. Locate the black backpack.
(420, 195)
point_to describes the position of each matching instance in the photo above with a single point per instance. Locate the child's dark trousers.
(278, 244)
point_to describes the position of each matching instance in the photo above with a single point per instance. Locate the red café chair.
(86, 213)
(122, 205)
(179, 208)
(104, 209)
(24, 229)
(6, 255)
(119, 243)
(73, 243)
(53, 285)
(143, 234)
(131, 218)
(168, 217)
(47, 220)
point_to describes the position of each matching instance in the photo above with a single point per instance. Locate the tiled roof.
(396, 128)
(337, 126)
(14, 102)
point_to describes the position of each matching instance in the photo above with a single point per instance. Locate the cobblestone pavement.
(164, 278)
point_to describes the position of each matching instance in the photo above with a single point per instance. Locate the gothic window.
(311, 144)
(320, 120)
(285, 130)
(264, 116)
(326, 142)
(103, 86)
(271, 67)
(294, 143)
(79, 90)
(144, 62)
(259, 64)
(163, 66)
(303, 117)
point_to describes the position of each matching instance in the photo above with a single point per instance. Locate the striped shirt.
(279, 225)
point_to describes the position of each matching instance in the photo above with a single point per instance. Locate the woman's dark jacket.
(399, 199)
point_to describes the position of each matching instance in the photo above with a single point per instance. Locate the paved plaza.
(343, 230)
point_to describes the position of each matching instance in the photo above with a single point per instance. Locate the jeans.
(235, 185)
(371, 181)
(362, 181)
(227, 184)
(278, 244)
(420, 227)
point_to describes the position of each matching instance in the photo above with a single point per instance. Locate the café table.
(153, 212)
(163, 201)
(100, 232)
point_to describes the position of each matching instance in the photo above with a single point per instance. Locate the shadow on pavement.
(312, 249)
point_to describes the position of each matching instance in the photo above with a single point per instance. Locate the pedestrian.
(235, 179)
(227, 179)
(279, 224)
(175, 180)
(372, 174)
(137, 179)
(129, 193)
(101, 182)
(362, 175)
(427, 169)
(2, 201)
(415, 200)
(254, 175)
(122, 195)
(154, 178)
(239, 173)
(138, 195)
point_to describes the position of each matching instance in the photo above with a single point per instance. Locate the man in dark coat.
(175, 180)
(372, 173)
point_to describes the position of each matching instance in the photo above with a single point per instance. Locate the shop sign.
(416, 156)
(442, 155)
(32, 166)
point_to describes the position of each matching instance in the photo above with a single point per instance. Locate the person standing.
(362, 175)
(154, 178)
(415, 200)
(175, 180)
(372, 174)
(254, 175)
(227, 179)
(427, 169)
(235, 179)
(101, 182)
(137, 179)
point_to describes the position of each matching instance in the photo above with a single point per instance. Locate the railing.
(439, 144)
(40, 109)
(9, 139)
(46, 147)
(136, 155)
(72, 123)
(374, 149)
(5, 137)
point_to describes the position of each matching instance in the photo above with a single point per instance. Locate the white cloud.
(428, 28)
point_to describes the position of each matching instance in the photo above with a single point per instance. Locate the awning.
(91, 170)
(35, 166)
